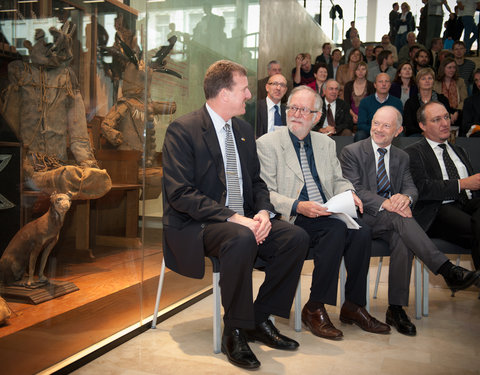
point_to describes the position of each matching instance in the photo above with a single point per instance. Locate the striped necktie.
(235, 199)
(312, 188)
(383, 183)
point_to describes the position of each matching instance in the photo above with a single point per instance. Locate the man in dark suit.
(380, 174)
(273, 68)
(336, 118)
(217, 204)
(270, 111)
(449, 190)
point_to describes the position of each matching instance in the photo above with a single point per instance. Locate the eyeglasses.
(304, 111)
(437, 119)
(277, 84)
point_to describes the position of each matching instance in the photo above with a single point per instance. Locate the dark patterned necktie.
(312, 188)
(330, 118)
(452, 172)
(383, 183)
(235, 199)
(277, 119)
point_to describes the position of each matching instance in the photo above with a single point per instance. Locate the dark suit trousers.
(331, 239)
(406, 239)
(460, 224)
(284, 251)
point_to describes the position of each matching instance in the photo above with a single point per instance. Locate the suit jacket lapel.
(211, 139)
(369, 159)
(393, 171)
(242, 151)
(431, 158)
(462, 157)
(319, 155)
(290, 156)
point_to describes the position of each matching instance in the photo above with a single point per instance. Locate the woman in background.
(357, 89)
(320, 71)
(403, 85)
(452, 87)
(346, 72)
(424, 79)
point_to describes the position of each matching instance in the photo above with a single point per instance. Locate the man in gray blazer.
(380, 174)
(301, 170)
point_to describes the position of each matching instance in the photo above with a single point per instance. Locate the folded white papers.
(343, 208)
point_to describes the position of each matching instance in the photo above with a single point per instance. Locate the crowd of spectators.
(419, 68)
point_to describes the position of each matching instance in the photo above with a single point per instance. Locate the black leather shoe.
(267, 333)
(460, 278)
(399, 320)
(235, 346)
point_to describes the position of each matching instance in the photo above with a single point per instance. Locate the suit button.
(202, 226)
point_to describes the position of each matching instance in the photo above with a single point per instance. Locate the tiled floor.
(448, 342)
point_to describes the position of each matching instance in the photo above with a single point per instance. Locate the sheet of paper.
(342, 203)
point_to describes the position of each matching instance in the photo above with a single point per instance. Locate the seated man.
(270, 111)
(384, 65)
(217, 204)
(370, 104)
(302, 171)
(336, 118)
(449, 190)
(273, 68)
(380, 174)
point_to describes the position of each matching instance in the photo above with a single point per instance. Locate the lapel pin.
(243, 139)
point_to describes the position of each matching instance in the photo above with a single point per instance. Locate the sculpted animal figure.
(38, 236)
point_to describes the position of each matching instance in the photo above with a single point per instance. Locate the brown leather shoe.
(319, 323)
(352, 313)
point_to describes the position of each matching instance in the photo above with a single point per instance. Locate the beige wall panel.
(286, 29)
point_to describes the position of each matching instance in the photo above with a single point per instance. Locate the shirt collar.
(378, 99)
(296, 142)
(376, 147)
(434, 144)
(331, 103)
(218, 121)
(270, 103)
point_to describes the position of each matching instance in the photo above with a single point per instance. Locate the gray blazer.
(358, 164)
(281, 170)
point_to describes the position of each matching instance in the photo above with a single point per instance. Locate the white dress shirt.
(461, 168)
(271, 114)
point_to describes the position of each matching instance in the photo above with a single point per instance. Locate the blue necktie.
(277, 119)
(383, 183)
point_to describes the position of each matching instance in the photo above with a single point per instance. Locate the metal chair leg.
(426, 285)
(216, 313)
(297, 319)
(343, 277)
(379, 271)
(159, 294)
(418, 295)
(367, 306)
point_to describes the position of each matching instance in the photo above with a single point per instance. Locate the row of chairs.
(380, 249)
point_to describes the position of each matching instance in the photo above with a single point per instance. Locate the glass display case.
(88, 89)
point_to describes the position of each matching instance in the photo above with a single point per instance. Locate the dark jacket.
(343, 119)
(194, 186)
(432, 188)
